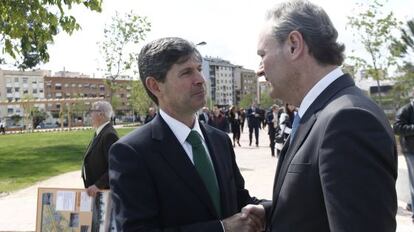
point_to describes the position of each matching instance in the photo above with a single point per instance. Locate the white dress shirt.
(317, 89)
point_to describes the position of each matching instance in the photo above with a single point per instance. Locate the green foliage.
(37, 115)
(40, 156)
(28, 26)
(403, 87)
(120, 45)
(373, 29)
(266, 101)
(405, 44)
(140, 100)
(246, 101)
(16, 118)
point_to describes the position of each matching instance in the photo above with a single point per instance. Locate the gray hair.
(104, 107)
(157, 57)
(315, 26)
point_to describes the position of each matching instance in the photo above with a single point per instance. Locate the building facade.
(20, 85)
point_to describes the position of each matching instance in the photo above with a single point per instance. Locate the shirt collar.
(180, 130)
(101, 127)
(317, 89)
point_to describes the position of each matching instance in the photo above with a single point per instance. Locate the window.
(9, 90)
(25, 91)
(66, 85)
(93, 86)
(25, 80)
(16, 89)
(73, 85)
(34, 91)
(16, 80)
(58, 95)
(10, 110)
(58, 86)
(101, 87)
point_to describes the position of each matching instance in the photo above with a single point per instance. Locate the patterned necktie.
(296, 121)
(205, 168)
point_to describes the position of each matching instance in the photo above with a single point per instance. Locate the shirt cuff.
(222, 225)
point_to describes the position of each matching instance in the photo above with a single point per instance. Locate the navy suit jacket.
(156, 187)
(339, 172)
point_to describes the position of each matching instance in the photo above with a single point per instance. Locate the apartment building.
(20, 85)
(69, 86)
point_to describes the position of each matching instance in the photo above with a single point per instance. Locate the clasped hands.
(251, 218)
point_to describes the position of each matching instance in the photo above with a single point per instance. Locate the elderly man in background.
(95, 163)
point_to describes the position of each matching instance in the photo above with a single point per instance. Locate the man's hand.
(257, 212)
(92, 190)
(242, 222)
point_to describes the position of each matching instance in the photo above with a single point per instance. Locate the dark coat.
(95, 160)
(339, 173)
(404, 127)
(156, 187)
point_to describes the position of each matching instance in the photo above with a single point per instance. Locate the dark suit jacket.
(252, 120)
(96, 158)
(339, 172)
(155, 186)
(404, 126)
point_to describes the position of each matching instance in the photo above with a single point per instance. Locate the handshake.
(251, 218)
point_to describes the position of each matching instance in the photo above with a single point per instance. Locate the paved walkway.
(18, 210)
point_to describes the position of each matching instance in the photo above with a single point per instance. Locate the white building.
(220, 75)
(18, 85)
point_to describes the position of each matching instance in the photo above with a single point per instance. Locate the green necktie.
(205, 168)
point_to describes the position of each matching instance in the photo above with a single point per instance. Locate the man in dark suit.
(338, 169)
(95, 163)
(253, 122)
(174, 173)
(404, 127)
(272, 120)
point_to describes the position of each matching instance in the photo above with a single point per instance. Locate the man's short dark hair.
(315, 26)
(157, 57)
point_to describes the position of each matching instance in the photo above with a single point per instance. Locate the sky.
(229, 27)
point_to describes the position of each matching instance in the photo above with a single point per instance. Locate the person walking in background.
(235, 125)
(242, 118)
(151, 115)
(219, 120)
(286, 117)
(95, 162)
(174, 173)
(404, 127)
(253, 122)
(2, 127)
(204, 116)
(338, 169)
(272, 120)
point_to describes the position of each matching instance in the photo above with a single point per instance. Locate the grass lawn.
(29, 158)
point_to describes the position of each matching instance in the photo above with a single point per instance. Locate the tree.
(119, 47)
(140, 100)
(28, 26)
(38, 116)
(405, 44)
(374, 30)
(246, 101)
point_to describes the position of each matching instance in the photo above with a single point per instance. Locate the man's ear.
(153, 85)
(295, 43)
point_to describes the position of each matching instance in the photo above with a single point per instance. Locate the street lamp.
(202, 43)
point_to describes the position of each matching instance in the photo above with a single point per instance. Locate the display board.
(64, 209)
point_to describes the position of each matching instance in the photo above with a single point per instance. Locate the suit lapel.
(174, 154)
(308, 120)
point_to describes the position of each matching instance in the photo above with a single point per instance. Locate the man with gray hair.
(338, 169)
(95, 163)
